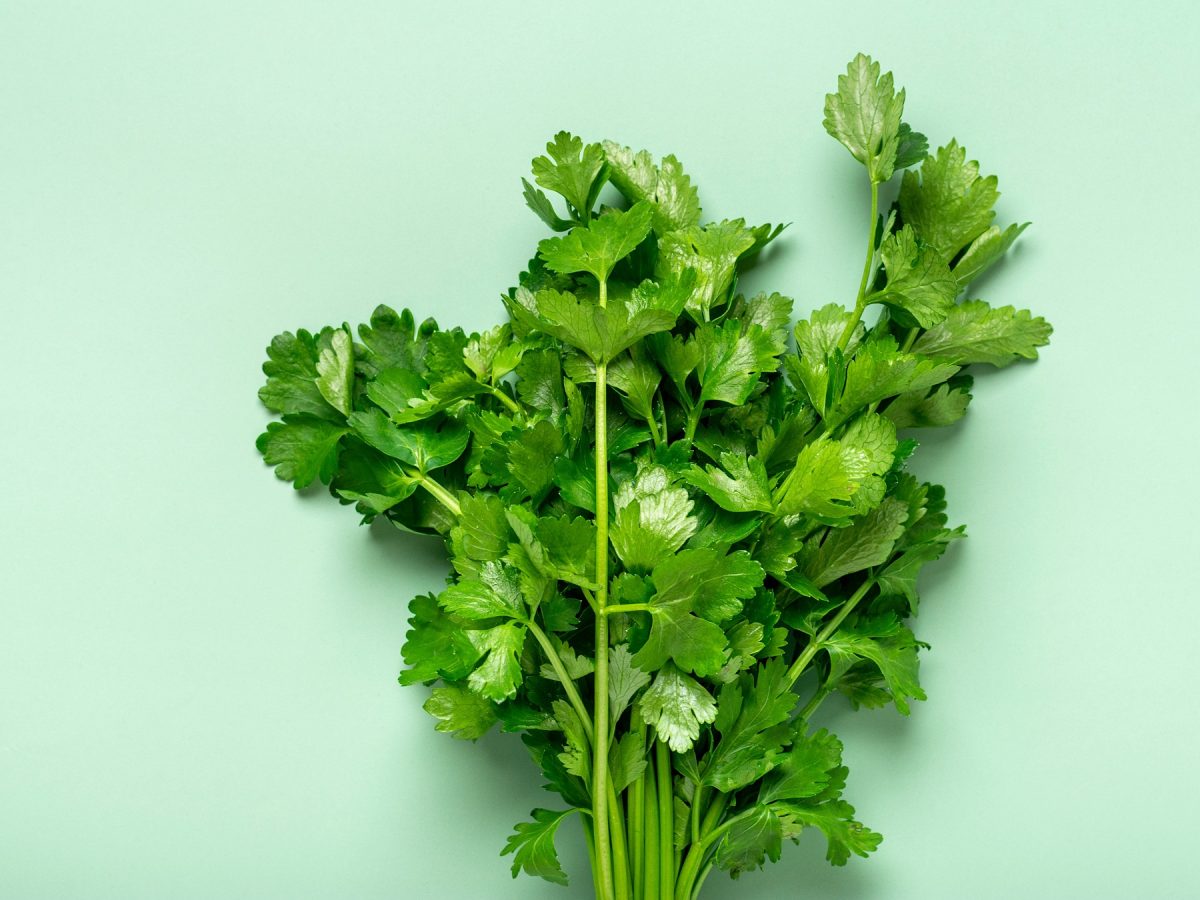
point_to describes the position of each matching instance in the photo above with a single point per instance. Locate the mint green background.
(197, 666)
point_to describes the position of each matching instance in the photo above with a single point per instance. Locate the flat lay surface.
(198, 664)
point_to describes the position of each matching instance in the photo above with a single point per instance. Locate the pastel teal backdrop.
(198, 666)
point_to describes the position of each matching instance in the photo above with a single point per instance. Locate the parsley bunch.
(673, 532)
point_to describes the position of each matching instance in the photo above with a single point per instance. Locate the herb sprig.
(673, 532)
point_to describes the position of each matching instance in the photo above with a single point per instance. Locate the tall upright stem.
(859, 304)
(600, 745)
(666, 821)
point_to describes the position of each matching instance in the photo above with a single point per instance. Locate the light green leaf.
(482, 531)
(878, 371)
(572, 170)
(652, 518)
(833, 479)
(533, 844)
(818, 335)
(743, 486)
(986, 250)
(675, 706)
(576, 665)
(666, 186)
(920, 409)
(713, 253)
(335, 371)
(948, 204)
(695, 590)
(637, 381)
(543, 208)
(575, 756)
(733, 358)
(920, 288)
(975, 333)
(607, 240)
(436, 646)
(499, 675)
(864, 115)
(495, 594)
(600, 332)
(460, 712)
(627, 760)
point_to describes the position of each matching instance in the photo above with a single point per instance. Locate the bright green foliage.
(976, 333)
(676, 202)
(948, 204)
(865, 114)
(533, 844)
(659, 581)
(601, 245)
(920, 287)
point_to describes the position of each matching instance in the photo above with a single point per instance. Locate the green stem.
(859, 304)
(505, 399)
(693, 420)
(666, 822)
(561, 671)
(650, 876)
(697, 853)
(600, 745)
(589, 834)
(697, 805)
(655, 434)
(627, 608)
(814, 645)
(439, 493)
(819, 695)
(637, 836)
(616, 822)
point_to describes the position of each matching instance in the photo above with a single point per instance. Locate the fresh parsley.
(676, 523)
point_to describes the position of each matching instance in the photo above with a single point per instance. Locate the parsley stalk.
(860, 304)
(439, 493)
(806, 656)
(604, 847)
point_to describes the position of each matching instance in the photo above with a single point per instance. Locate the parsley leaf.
(533, 844)
(976, 333)
(302, 449)
(676, 202)
(676, 705)
(573, 170)
(949, 204)
(607, 240)
(864, 115)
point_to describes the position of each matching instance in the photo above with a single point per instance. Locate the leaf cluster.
(762, 538)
